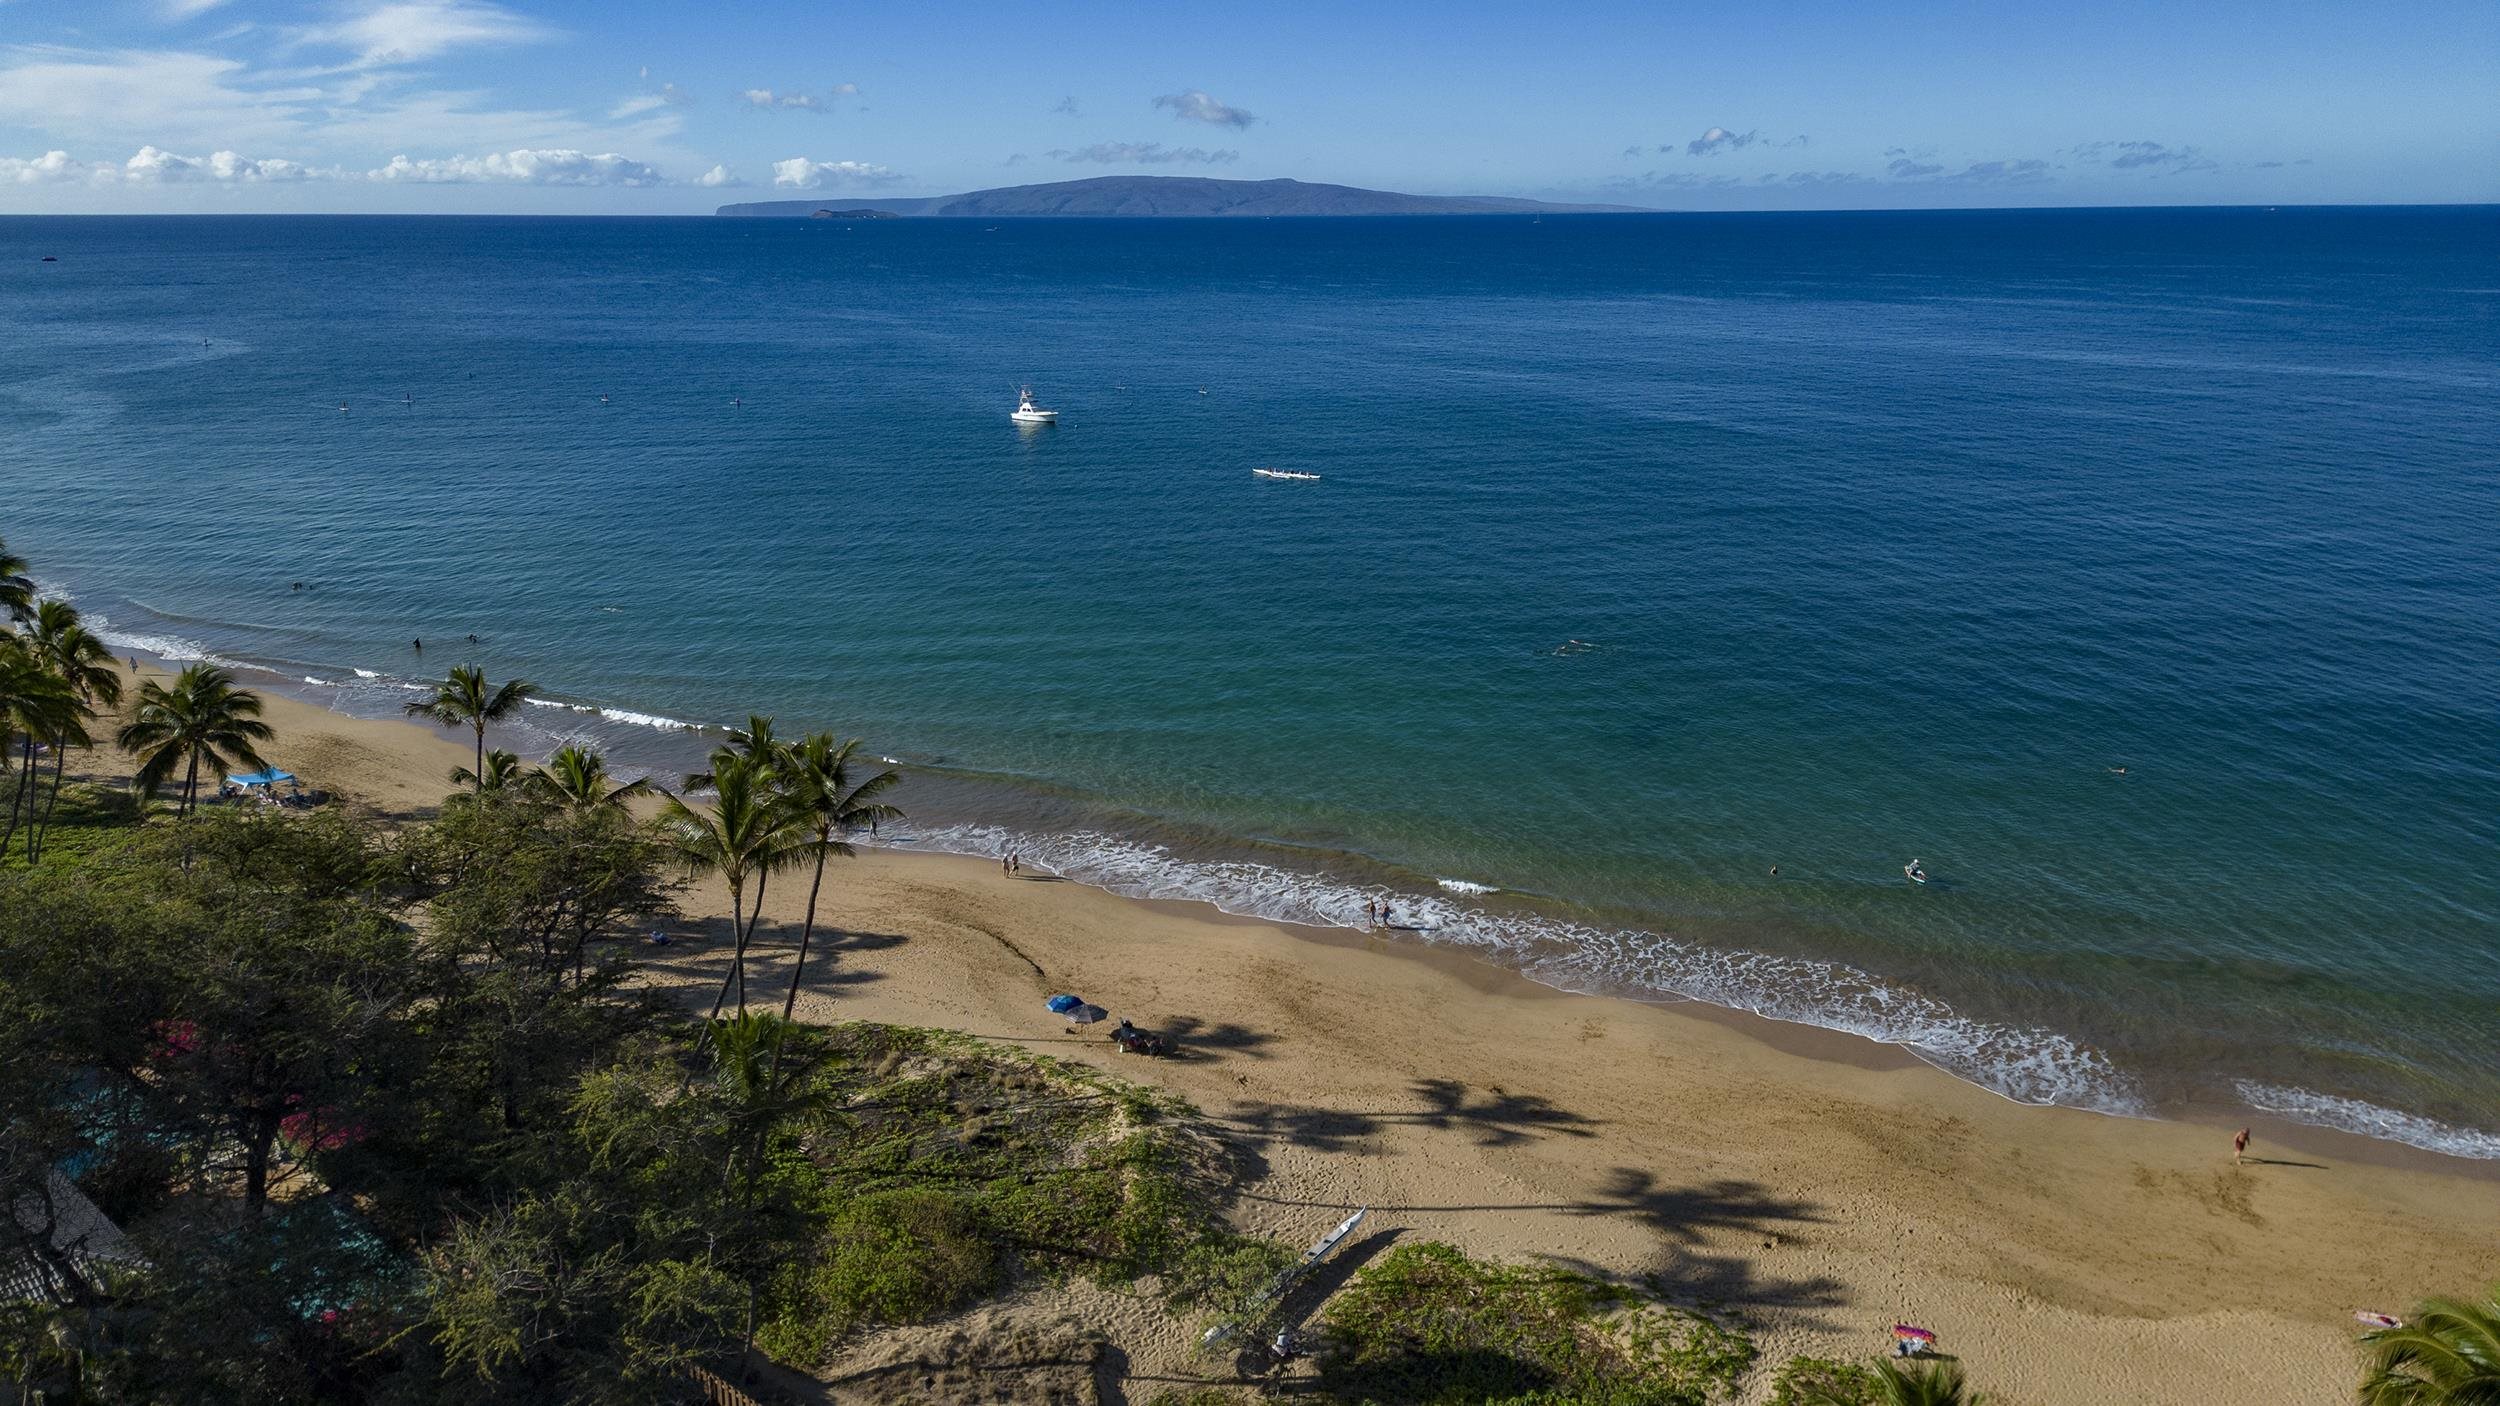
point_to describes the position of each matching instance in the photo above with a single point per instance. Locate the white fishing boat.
(1292, 475)
(1027, 413)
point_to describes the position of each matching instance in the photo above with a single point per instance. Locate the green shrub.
(1819, 1381)
(1427, 1326)
(887, 1257)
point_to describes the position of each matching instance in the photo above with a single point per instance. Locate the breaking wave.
(2027, 1064)
(2351, 1115)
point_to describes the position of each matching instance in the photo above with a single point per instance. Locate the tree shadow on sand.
(1693, 1226)
(1494, 1117)
(1189, 1035)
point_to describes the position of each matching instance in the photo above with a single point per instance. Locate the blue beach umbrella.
(1062, 1004)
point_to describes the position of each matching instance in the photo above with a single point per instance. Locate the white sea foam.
(1463, 886)
(2025, 1063)
(2351, 1115)
(171, 648)
(321, 683)
(627, 715)
(367, 674)
(557, 703)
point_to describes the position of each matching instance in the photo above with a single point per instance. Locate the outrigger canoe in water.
(1913, 873)
(1294, 474)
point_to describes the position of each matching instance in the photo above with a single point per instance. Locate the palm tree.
(755, 742)
(502, 769)
(1938, 1385)
(202, 718)
(17, 589)
(746, 834)
(814, 775)
(80, 661)
(579, 777)
(34, 704)
(461, 700)
(2448, 1355)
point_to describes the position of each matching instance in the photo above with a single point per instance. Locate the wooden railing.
(719, 1390)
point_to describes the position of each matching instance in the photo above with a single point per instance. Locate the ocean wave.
(2351, 1115)
(320, 683)
(627, 715)
(367, 674)
(559, 703)
(2027, 1064)
(1464, 886)
(173, 649)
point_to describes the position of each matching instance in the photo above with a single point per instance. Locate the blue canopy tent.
(271, 777)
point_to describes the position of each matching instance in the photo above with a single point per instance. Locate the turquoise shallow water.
(1891, 536)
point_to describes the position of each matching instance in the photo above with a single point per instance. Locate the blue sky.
(671, 106)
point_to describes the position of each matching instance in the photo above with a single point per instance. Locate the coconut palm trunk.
(737, 966)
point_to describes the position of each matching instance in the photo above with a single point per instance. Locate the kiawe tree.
(462, 699)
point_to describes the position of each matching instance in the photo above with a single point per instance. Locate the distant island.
(1170, 197)
(862, 213)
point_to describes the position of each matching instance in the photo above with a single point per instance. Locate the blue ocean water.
(1883, 536)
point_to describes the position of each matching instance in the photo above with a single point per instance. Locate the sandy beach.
(1822, 1186)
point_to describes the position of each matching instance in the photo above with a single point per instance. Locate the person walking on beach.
(2239, 1146)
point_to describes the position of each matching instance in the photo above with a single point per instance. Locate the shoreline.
(1821, 1184)
(1852, 1009)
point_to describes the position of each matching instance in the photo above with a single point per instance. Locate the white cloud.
(718, 176)
(632, 107)
(142, 95)
(846, 90)
(379, 32)
(1144, 154)
(557, 167)
(153, 166)
(766, 97)
(176, 11)
(51, 168)
(1719, 139)
(803, 174)
(1196, 106)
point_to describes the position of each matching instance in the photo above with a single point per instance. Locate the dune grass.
(943, 1170)
(1427, 1326)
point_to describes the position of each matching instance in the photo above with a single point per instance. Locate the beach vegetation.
(743, 837)
(2447, 1353)
(817, 777)
(462, 699)
(1822, 1381)
(37, 709)
(502, 769)
(201, 720)
(17, 588)
(579, 778)
(72, 657)
(1426, 1325)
